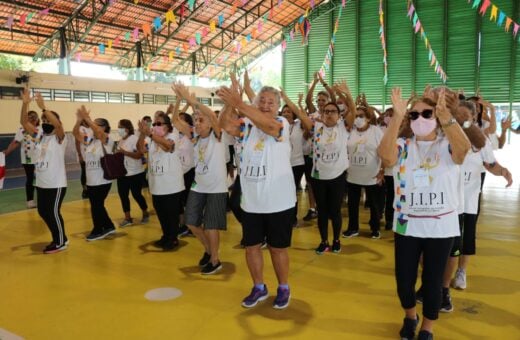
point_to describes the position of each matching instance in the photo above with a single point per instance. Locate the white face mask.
(341, 107)
(360, 122)
(122, 132)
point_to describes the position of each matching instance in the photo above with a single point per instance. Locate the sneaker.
(255, 297)
(166, 246)
(419, 296)
(84, 194)
(336, 246)
(459, 282)
(350, 233)
(311, 215)
(204, 260)
(283, 296)
(446, 306)
(159, 243)
(31, 204)
(145, 219)
(323, 247)
(54, 248)
(211, 268)
(126, 223)
(407, 332)
(375, 234)
(183, 230)
(109, 231)
(99, 236)
(424, 335)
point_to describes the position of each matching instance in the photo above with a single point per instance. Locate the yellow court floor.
(97, 290)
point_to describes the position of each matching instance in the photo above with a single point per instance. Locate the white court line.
(5, 335)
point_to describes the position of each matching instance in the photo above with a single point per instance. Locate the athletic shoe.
(204, 260)
(350, 233)
(419, 296)
(311, 215)
(446, 306)
(145, 219)
(255, 297)
(407, 332)
(322, 247)
(459, 282)
(31, 204)
(54, 248)
(166, 246)
(99, 236)
(211, 268)
(283, 296)
(126, 223)
(375, 234)
(159, 243)
(424, 335)
(109, 231)
(336, 246)
(183, 230)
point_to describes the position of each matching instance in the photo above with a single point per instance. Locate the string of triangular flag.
(418, 27)
(382, 36)
(330, 51)
(496, 15)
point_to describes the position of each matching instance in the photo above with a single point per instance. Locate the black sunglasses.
(157, 124)
(426, 114)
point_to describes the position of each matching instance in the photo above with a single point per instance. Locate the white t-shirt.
(329, 152)
(472, 180)
(184, 148)
(266, 174)
(426, 182)
(27, 146)
(297, 141)
(210, 165)
(165, 175)
(362, 151)
(133, 166)
(87, 138)
(50, 162)
(93, 169)
(389, 170)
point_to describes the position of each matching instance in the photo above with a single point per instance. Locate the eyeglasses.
(426, 114)
(330, 112)
(157, 124)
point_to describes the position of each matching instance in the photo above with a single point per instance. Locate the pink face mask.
(423, 127)
(387, 120)
(158, 131)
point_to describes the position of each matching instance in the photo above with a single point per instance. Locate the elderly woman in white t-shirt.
(51, 177)
(98, 187)
(365, 170)
(268, 190)
(426, 175)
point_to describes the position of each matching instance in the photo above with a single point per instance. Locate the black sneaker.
(424, 335)
(350, 233)
(54, 248)
(311, 215)
(375, 234)
(204, 260)
(407, 332)
(323, 247)
(183, 230)
(446, 306)
(211, 268)
(419, 296)
(336, 246)
(170, 245)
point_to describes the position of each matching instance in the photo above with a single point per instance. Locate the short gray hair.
(268, 89)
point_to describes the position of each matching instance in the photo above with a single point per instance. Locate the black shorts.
(457, 241)
(276, 228)
(465, 244)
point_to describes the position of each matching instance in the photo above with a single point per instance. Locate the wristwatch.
(467, 124)
(449, 123)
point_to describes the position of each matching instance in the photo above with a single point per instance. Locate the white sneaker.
(31, 204)
(459, 282)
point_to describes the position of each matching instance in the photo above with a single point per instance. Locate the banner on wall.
(496, 15)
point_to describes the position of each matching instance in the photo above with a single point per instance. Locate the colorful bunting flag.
(23, 18)
(147, 29)
(10, 21)
(157, 24)
(197, 38)
(212, 26)
(169, 17)
(101, 48)
(220, 20)
(496, 15)
(136, 34)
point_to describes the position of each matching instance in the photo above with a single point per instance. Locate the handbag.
(113, 165)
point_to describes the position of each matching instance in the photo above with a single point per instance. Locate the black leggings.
(354, 196)
(297, 174)
(389, 201)
(83, 177)
(49, 208)
(133, 183)
(168, 208)
(29, 180)
(189, 177)
(435, 252)
(234, 199)
(97, 195)
(329, 195)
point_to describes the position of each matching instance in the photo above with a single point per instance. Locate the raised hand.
(181, 91)
(39, 101)
(398, 103)
(230, 96)
(83, 113)
(441, 110)
(25, 94)
(506, 124)
(247, 81)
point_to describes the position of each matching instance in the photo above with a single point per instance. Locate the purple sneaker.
(283, 295)
(255, 297)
